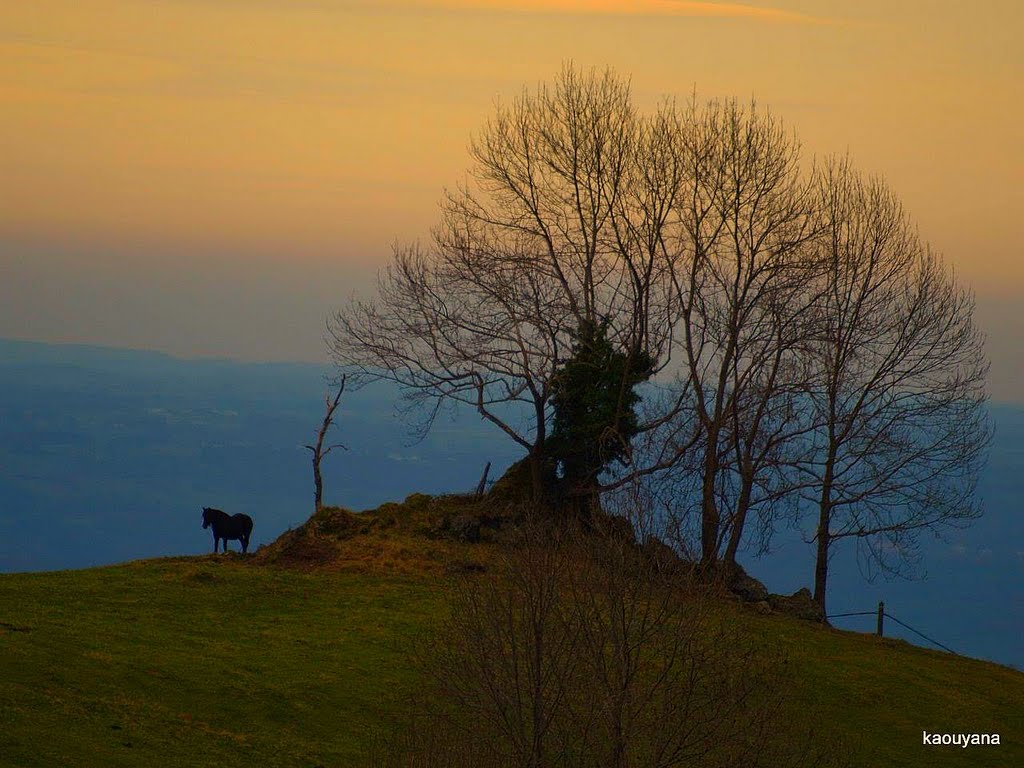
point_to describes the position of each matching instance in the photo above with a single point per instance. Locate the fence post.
(881, 617)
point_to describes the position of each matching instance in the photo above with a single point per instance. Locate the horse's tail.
(247, 532)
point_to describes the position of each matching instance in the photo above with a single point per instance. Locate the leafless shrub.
(579, 650)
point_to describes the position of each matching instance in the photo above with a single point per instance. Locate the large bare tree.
(561, 228)
(898, 384)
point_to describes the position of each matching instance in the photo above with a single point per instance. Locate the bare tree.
(561, 228)
(748, 227)
(898, 387)
(318, 450)
(507, 659)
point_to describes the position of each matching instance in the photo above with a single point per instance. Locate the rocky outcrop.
(800, 605)
(746, 587)
(738, 582)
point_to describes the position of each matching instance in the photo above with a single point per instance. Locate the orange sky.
(213, 146)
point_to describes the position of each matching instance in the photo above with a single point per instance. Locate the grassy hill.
(297, 656)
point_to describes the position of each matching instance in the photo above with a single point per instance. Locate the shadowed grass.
(879, 694)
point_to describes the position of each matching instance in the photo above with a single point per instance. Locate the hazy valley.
(109, 455)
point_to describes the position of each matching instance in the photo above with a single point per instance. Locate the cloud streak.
(692, 8)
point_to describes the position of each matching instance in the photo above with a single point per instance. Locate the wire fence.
(881, 615)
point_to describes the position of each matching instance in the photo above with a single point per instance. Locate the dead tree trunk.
(318, 450)
(481, 487)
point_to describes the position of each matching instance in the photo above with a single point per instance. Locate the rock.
(337, 522)
(742, 584)
(499, 530)
(762, 607)
(301, 548)
(749, 589)
(475, 528)
(800, 605)
(417, 501)
(516, 485)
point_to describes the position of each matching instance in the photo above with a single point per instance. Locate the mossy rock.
(479, 528)
(300, 548)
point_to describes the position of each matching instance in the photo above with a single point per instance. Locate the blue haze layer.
(109, 455)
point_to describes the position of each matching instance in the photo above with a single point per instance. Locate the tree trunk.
(740, 520)
(318, 482)
(538, 481)
(710, 521)
(824, 537)
(318, 450)
(584, 502)
(821, 563)
(481, 487)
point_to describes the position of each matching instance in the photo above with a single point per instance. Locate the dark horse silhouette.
(227, 526)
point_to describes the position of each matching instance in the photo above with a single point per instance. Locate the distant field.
(214, 662)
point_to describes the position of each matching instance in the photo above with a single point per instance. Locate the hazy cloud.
(635, 8)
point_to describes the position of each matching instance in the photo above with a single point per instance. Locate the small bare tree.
(318, 450)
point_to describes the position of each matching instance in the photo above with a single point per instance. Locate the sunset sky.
(212, 177)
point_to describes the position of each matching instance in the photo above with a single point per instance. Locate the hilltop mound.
(432, 534)
(462, 532)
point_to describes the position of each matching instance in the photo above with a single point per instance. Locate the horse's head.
(206, 517)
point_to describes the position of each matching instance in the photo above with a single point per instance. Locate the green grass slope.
(224, 661)
(202, 662)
